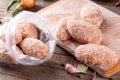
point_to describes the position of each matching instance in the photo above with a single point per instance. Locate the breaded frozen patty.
(92, 14)
(34, 47)
(62, 31)
(84, 32)
(4, 53)
(18, 37)
(94, 54)
(27, 29)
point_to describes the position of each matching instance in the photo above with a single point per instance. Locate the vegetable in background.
(21, 3)
(10, 4)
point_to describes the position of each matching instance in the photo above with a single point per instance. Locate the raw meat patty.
(84, 32)
(34, 47)
(27, 29)
(18, 37)
(94, 54)
(92, 14)
(4, 53)
(62, 31)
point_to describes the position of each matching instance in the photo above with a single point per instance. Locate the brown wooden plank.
(61, 51)
(6, 70)
(39, 73)
(59, 61)
(6, 77)
(55, 64)
(45, 73)
(109, 4)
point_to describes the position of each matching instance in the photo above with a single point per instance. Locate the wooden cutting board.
(110, 27)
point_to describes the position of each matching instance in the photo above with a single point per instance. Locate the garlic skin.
(71, 69)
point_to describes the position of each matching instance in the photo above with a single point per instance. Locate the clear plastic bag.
(45, 36)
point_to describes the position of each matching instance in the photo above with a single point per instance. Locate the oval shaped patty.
(92, 14)
(94, 54)
(84, 32)
(34, 47)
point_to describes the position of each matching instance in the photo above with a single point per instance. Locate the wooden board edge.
(113, 70)
(50, 6)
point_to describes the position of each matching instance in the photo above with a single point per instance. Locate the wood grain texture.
(109, 4)
(5, 77)
(53, 69)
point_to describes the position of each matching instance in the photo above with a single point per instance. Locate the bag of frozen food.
(25, 41)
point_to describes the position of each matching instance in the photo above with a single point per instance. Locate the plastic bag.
(45, 36)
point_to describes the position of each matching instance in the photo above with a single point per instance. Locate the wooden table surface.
(54, 68)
